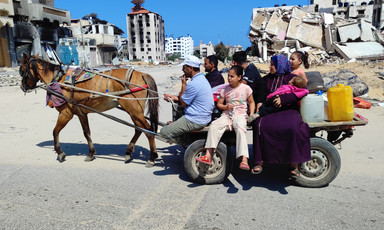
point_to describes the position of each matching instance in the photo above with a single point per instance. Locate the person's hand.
(229, 106)
(183, 80)
(167, 97)
(251, 117)
(277, 101)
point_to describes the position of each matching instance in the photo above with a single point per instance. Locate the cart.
(321, 170)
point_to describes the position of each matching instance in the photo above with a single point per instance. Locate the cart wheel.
(207, 174)
(323, 167)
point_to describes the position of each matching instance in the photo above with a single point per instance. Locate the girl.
(236, 95)
(297, 58)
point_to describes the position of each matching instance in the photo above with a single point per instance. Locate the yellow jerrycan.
(340, 103)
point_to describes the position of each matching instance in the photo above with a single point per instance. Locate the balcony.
(102, 39)
(40, 12)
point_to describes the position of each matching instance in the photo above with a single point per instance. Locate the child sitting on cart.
(236, 95)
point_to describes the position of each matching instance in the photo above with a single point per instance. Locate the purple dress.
(281, 137)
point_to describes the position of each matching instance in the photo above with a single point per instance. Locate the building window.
(148, 24)
(142, 49)
(149, 49)
(333, 2)
(148, 41)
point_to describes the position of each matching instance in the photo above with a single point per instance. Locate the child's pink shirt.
(238, 97)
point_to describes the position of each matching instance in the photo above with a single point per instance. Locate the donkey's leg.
(137, 116)
(87, 134)
(131, 146)
(142, 122)
(65, 116)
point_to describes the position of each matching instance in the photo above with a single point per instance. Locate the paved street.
(38, 192)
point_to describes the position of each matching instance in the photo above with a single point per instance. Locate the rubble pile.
(9, 78)
(326, 38)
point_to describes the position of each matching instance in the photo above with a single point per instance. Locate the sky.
(204, 20)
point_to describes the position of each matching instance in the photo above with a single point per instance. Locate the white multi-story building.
(145, 35)
(182, 45)
(206, 49)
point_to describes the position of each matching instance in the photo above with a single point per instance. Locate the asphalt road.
(38, 192)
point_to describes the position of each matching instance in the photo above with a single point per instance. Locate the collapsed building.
(327, 37)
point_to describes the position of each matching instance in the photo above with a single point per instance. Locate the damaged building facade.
(7, 46)
(37, 29)
(97, 41)
(31, 27)
(145, 35)
(321, 31)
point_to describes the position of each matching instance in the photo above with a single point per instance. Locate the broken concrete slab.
(360, 50)
(366, 32)
(328, 19)
(349, 32)
(276, 24)
(298, 13)
(308, 34)
(258, 23)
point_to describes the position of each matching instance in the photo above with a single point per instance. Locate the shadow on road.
(273, 177)
(103, 151)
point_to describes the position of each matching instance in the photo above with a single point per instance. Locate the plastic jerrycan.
(340, 103)
(312, 108)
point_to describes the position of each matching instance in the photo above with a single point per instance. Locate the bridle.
(28, 76)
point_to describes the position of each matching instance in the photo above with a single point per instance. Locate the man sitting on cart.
(196, 97)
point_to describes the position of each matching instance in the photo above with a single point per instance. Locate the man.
(251, 77)
(196, 97)
(213, 76)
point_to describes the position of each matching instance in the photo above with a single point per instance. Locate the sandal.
(204, 160)
(294, 173)
(257, 169)
(244, 166)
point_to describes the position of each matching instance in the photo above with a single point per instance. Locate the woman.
(281, 137)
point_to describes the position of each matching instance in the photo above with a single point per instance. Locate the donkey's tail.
(153, 104)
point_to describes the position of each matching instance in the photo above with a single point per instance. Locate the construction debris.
(327, 39)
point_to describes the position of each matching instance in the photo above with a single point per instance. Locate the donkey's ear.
(37, 56)
(25, 56)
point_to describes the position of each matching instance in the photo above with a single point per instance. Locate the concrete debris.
(327, 38)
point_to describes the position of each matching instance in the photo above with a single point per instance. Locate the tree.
(221, 51)
(174, 56)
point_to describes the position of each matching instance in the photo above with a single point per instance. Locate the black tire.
(207, 174)
(323, 167)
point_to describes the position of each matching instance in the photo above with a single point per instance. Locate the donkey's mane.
(46, 66)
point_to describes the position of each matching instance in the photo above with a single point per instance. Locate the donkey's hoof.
(149, 164)
(61, 157)
(88, 158)
(127, 158)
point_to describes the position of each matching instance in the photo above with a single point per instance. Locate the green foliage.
(197, 53)
(221, 51)
(174, 56)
